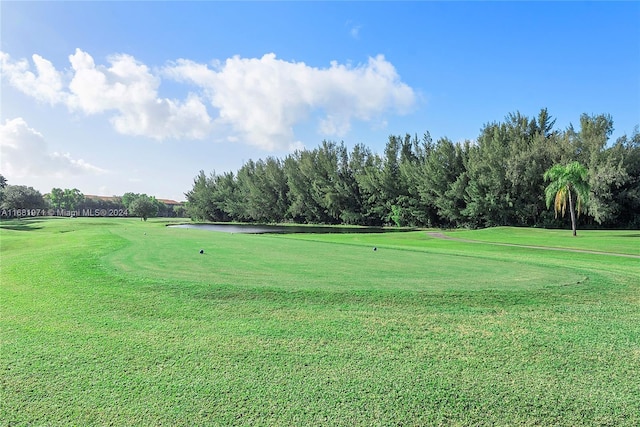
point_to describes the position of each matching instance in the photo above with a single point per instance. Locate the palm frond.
(565, 180)
(560, 204)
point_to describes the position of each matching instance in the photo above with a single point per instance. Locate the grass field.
(123, 322)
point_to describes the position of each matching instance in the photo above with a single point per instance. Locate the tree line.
(19, 197)
(498, 179)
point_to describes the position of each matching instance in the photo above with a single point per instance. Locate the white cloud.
(129, 88)
(45, 85)
(354, 29)
(263, 99)
(126, 89)
(24, 154)
(258, 101)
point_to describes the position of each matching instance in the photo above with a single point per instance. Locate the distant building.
(113, 199)
(170, 202)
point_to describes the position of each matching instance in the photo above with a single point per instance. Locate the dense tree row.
(19, 196)
(72, 201)
(495, 180)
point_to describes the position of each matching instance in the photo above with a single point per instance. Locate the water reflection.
(280, 229)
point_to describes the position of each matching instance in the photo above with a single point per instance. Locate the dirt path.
(437, 235)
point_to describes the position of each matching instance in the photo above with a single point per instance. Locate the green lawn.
(122, 322)
(624, 241)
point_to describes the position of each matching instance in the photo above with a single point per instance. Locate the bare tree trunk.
(573, 214)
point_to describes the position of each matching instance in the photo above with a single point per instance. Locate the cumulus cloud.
(258, 101)
(263, 99)
(45, 85)
(25, 154)
(126, 89)
(131, 90)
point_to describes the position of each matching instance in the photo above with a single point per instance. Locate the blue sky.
(111, 97)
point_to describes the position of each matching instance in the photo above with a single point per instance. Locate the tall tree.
(387, 184)
(127, 198)
(411, 208)
(534, 148)
(72, 198)
(442, 183)
(347, 189)
(304, 192)
(3, 184)
(201, 201)
(627, 195)
(56, 198)
(226, 200)
(144, 206)
(567, 182)
(364, 166)
(262, 188)
(331, 180)
(489, 200)
(21, 197)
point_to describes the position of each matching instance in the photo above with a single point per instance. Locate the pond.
(285, 229)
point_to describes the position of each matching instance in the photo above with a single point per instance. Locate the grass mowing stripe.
(612, 241)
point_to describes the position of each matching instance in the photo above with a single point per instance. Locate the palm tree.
(567, 181)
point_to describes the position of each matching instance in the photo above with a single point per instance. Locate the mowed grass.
(120, 322)
(621, 242)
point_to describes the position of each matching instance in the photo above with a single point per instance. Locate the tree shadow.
(20, 225)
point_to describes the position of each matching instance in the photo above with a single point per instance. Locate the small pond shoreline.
(286, 229)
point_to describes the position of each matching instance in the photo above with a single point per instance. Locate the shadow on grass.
(20, 225)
